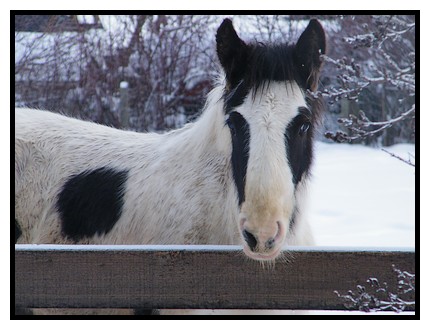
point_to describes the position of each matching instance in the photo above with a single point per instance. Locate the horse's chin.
(263, 256)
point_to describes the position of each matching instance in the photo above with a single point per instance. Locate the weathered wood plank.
(195, 276)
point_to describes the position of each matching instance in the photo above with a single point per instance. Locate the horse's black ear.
(232, 52)
(309, 47)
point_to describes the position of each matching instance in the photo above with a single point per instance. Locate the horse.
(236, 175)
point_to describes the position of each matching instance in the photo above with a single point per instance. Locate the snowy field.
(362, 196)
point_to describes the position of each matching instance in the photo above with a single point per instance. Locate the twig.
(400, 158)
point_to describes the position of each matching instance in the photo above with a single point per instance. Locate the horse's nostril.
(270, 243)
(250, 239)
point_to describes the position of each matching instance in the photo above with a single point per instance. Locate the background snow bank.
(362, 196)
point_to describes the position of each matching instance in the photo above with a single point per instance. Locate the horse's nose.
(261, 242)
(270, 243)
(249, 239)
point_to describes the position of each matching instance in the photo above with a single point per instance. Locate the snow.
(362, 196)
(194, 248)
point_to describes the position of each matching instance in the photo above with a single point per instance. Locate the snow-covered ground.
(362, 196)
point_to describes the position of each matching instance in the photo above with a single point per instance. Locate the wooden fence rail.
(156, 277)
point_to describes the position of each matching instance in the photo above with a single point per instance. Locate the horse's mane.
(267, 62)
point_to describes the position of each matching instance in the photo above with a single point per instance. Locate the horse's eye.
(231, 126)
(304, 128)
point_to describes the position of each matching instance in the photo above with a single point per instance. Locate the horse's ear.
(232, 52)
(309, 47)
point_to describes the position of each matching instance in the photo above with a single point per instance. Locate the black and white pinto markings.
(237, 175)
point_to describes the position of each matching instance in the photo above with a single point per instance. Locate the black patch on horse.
(91, 202)
(298, 142)
(235, 97)
(239, 129)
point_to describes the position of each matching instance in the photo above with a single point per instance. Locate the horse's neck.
(202, 152)
(206, 136)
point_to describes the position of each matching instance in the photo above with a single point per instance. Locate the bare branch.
(381, 81)
(409, 162)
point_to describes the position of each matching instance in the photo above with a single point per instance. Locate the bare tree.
(168, 62)
(379, 66)
(164, 59)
